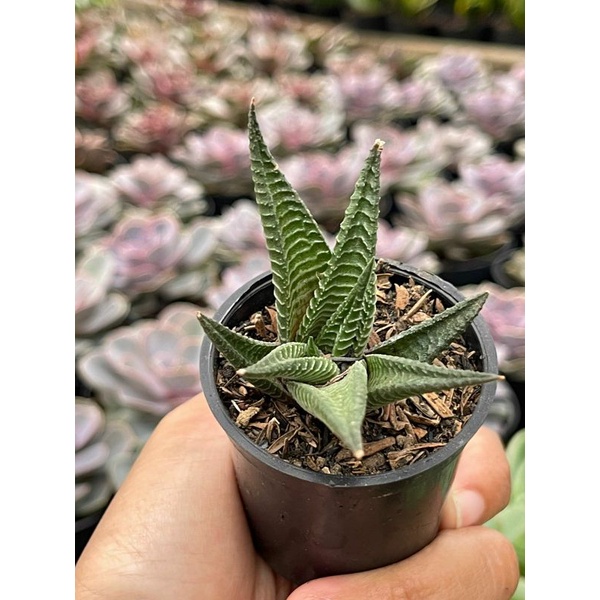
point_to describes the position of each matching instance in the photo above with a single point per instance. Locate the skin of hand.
(176, 530)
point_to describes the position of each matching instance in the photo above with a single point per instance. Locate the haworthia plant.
(325, 303)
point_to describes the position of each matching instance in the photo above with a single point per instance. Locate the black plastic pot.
(307, 524)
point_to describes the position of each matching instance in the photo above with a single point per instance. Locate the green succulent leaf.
(426, 340)
(293, 361)
(240, 351)
(341, 405)
(347, 330)
(297, 250)
(354, 249)
(393, 378)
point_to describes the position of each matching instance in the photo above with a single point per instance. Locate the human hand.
(176, 530)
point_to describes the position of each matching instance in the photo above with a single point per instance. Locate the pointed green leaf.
(292, 361)
(341, 406)
(297, 250)
(347, 330)
(425, 341)
(240, 350)
(393, 378)
(354, 249)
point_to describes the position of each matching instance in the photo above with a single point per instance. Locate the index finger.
(481, 486)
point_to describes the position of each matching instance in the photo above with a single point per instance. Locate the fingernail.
(470, 507)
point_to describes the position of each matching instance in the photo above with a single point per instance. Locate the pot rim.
(248, 447)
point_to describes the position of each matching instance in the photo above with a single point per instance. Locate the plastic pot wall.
(308, 525)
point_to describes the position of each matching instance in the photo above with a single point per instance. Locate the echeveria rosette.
(150, 366)
(325, 302)
(155, 253)
(99, 440)
(155, 183)
(98, 306)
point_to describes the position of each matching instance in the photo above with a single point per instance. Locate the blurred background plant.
(165, 217)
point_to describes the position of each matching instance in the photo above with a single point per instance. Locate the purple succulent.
(99, 98)
(98, 440)
(154, 182)
(290, 128)
(240, 227)
(456, 71)
(368, 87)
(97, 306)
(405, 245)
(93, 152)
(496, 174)
(311, 90)
(454, 142)
(460, 221)
(324, 181)
(270, 51)
(407, 162)
(219, 158)
(499, 109)
(97, 205)
(94, 40)
(504, 312)
(253, 263)
(155, 128)
(157, 253)
(150, 366)
(166, 81)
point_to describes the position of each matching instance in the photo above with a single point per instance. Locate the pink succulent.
(152, 250)
(99, 98)
(289, 127)
(460, 221)
(150, 366)
(240, 227)
(166, 81)
(97, 204)
(97, 305)
(154, 182)
(271, 51)
(219, 158)
(504, 312)
(156, 128)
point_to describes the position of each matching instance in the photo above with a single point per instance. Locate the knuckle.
(502, 562)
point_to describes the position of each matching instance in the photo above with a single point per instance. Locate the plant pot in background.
(308, 524)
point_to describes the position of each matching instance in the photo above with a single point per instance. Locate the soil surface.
(395, 435)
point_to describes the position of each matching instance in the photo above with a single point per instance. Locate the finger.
(177, 515)
(481, 487)
(464, 564)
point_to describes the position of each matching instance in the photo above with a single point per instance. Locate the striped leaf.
(347, 330)
(393, 378)
(240, 351)
(354, 249)
(293, 361)
(426, 340)
(341, 406)
(297, 250)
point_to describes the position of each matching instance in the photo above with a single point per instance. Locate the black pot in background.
(308, 525)
(472, 271)
(498, 273)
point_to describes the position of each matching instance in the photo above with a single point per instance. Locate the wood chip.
(244, 418)
(402, 297)
(280, 442)
(438, 404)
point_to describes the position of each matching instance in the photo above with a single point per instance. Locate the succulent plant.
(156, 253)
(157, 127)
(325, 181)
(148, 367)
(460, 221)
(154, 182)
(218, 158)
(98, 441)
(292, 128)
(97, 306)
(271, 51)
(504, 312)
(239, 228)
(99, 98)
(97, 206)
(325, 303)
